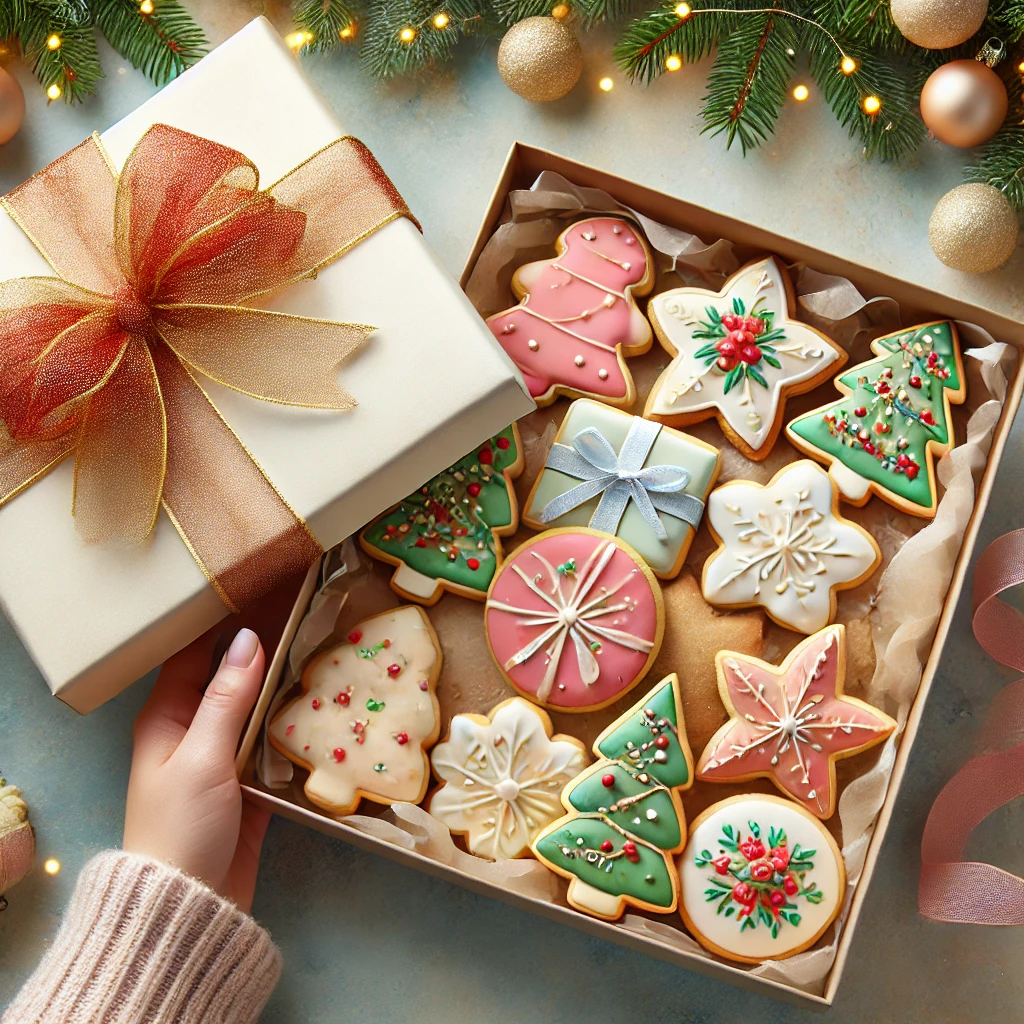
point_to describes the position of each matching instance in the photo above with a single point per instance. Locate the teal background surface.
(367, 940)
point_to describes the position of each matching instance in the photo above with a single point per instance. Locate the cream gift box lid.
(431, 383)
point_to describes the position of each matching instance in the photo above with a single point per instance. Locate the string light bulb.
(54, 92)
(408, 34)
(683, 11)
(347, 32)
(440, 20)
(54, 42)
(560, 11)
(52, 866)
(673, 62)
(848, 65)
(606, 85)
(871, 105)
(146, 7)
(1020, 67)
(800, 93)
(296, 40)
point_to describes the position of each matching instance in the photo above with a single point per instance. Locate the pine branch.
(325, 20)
(595, 11)
(508, 12)
(647, 43)
(868, 22)
(749, 79)
(1002, 164)
(161, 44)
(1007, 17)
(74, 66)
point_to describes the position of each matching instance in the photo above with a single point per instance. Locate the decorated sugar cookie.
(762, 879)
(502, 776)
(577, 316)
(625, 818)
(445, 536)
(627, 476)
(738, 354)
(574, 619)
(791, 723)
(785, 547)
(367, 714)
(883, 436)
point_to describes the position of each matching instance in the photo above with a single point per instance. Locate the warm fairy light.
(54, 42)
(800, 93)
(408, 34)
(560, 11)
(54, 92)
(52, 866)
(1020, 67)
(146, 7)
(606, 85)
(440, 20)
(347, 32)
(683, 11)
(871, 104)
(848, 66)
(295, 40)
(673, 62)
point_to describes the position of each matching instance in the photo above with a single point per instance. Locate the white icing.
(784, 549)
(757, 943)
(503, 778)
(409, 709)
(688, 385)
(414, 583)
(600, 904)
(853, 486)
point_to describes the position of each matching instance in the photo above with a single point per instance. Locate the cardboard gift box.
(96, 617)
(521, 169)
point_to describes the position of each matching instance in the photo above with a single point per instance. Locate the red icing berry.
(486, 456)
(882, 388)
(726, 363)
(750, 354)
(912, 470)
(661, 742)
(780, 858)
(752, 848)
(778, 898)
(761, 871)
(882, 428)
(722, 864)
(933, 358)
(316, 703)
(392, 529)
(339, 754)
(385, 642)
(731, 322)
(860, 411)
(289, 730)
(503, 443)
(791, 885)
(629, 849)
(903, 460)
(420, 542)
(424, 684)
(726, 347)
(915, 381)
(606, 846)
(343, 698)
(355, 636)
(474, 490)
(869, 448)
(740, 338)
(743, 893)
(473, 563)
(608, 781)
(753, 324)
(393, 670)
(927, 417)
(402, 738)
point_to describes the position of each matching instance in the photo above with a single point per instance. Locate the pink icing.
(560, 289)
(783, 716)
(626, 636)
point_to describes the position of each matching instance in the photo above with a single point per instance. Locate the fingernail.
(242, 649)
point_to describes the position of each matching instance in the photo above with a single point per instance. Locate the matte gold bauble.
(540, 59)
(963, 103)
(973, 228)
(12, 106)
(938, 24)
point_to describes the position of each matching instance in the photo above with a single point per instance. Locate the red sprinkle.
(503, 443)
(424, 684)
(392, 529)
(608, 781)
(393, 670)
(661, 742)
(355, 636)
(386, 642)
(860, 411)
(485, 456)
(306, 747)
(289, 730)
(474, 489)
(337, 661)
(473, 563)
(339, 754)
(343, 698)
(420, 542)
(402, 738)
(915, 381)
(606, 846)
(316, 703)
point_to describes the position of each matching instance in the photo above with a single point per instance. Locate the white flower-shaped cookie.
(502, 777)
(785, 547)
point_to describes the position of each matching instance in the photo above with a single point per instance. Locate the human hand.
(184, 805)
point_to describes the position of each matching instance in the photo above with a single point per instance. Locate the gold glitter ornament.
(938, 24)
(540, 59)
(973, 228)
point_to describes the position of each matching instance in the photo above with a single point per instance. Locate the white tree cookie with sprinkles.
(785, 547)
(577, 316)
(502, 776)
(367, 715)
(762, 879)
(791, 723)
(737, 355)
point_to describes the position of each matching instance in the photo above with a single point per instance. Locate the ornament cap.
(992, 52)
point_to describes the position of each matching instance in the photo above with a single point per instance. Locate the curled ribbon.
(620, 477)
(153, 266)
(970, 892)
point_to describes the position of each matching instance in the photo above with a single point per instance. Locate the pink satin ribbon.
(970, 892)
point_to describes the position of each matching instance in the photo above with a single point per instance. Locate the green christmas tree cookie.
(895, 418)
(625, 817)
(445, 536)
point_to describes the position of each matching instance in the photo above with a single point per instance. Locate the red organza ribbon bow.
(153, 269)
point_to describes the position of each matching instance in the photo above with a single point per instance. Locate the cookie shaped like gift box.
(258, 489)
(652, 713)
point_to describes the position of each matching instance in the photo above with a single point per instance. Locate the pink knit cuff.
(142, 943)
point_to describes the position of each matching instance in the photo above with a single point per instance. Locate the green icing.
(628, 803)
(612, 871)
(896, 458)
(443, 517)
(635, 740)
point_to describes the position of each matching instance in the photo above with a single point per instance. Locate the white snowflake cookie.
(785, 547)
(502, 777)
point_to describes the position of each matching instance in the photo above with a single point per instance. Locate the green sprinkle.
(568, 568)
(649, 879)
(374, 705)
(380, 767)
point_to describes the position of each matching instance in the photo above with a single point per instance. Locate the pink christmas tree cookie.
(574, 619)
(791, 723)
(577, 316)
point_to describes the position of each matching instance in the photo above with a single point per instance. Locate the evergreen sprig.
(161, 45)
(323, 21)
(1002, 164)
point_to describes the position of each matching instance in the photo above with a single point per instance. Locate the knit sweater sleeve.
(142, 943)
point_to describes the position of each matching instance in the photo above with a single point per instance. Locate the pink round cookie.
(574, 619)
(578, 316)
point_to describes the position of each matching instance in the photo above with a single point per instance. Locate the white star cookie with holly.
(502, 777)
(737, 355)
(785, 547)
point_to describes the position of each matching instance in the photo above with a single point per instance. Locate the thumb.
(229, 698)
